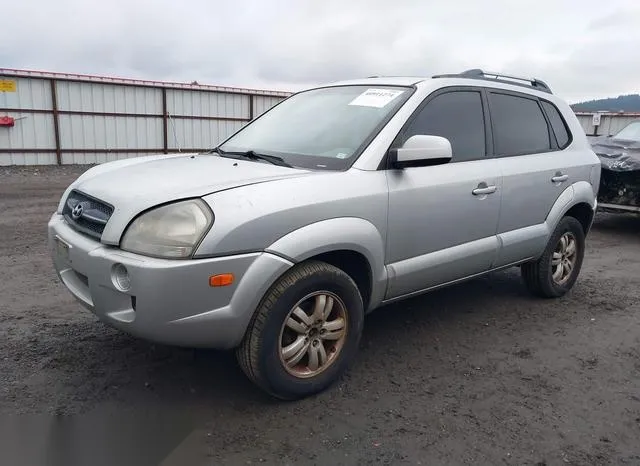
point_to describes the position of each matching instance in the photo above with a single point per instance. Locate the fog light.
(120, 277)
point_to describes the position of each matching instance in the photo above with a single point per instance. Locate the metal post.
(250, 107)
(56, 124)
(165, 136)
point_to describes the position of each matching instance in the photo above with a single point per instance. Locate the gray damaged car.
(619, 154)
(336, 201)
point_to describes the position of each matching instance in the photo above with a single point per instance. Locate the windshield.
(321, 128)
(631, 132)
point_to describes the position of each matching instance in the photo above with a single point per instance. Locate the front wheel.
(305, 332)
(557, 270)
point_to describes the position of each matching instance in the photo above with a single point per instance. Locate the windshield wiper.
(253, 155)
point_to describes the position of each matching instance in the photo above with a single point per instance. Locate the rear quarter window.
(519, 126)
(558, 125)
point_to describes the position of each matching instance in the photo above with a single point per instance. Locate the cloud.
(582, 48)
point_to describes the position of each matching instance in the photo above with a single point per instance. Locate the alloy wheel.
(313, 334)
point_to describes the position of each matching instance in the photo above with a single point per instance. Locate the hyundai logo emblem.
(76, 213)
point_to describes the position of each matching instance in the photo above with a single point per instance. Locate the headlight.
(170, 231)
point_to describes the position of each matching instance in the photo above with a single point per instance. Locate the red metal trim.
(118, 114)
(109, 114)
(56, 126)
(77, 77)
(112, 151)
(196, 117)
(100, 151)
(81, 112)
(4, 151)
(25, 110)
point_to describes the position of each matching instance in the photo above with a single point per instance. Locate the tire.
(538, 276)
(261, 354)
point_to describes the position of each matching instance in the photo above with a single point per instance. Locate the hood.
(617, 154)
(134, 185)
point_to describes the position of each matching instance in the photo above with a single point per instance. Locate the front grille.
(86, 214)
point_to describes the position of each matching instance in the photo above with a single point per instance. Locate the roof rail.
(477, 73)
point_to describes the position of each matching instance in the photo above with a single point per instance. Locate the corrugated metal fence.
(610, 123)
(78, 119)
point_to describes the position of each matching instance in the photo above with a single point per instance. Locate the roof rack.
(477, 73)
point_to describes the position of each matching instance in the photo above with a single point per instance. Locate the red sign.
(7, 121)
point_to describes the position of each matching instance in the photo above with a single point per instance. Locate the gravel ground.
(480, 373)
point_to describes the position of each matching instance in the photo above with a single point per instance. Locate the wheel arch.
(355, 265)
(352, 244)
(577, 201)
(584, 213)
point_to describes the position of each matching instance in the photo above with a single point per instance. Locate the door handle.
(484, 190)
(559, 178)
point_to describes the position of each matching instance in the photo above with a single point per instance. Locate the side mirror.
(422, 150)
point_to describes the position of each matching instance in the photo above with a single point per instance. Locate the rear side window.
(557, 124)
(457, 116)
(519, 126)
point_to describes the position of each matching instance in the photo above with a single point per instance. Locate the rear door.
(441, 227)
(530, 138)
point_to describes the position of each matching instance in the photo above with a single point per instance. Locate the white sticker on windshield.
(376, 97)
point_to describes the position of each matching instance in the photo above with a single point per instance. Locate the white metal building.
(605, 123)
(51, 118)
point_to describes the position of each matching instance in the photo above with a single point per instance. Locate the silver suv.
(338, 200)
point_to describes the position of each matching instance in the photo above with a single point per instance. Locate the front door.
(443, 219)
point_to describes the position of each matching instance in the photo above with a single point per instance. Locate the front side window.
(457, 116)
(321, 128)
(519, 127)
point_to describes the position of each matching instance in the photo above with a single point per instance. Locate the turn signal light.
(224, 279)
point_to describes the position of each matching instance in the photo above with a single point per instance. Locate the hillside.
(625, 103)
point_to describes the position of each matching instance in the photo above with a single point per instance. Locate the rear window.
(519, 125)
(558, 124)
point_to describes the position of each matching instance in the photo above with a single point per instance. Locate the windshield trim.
(410, 88)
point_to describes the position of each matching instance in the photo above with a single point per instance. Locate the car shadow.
(480, 299)
(148, 398)
(104, 365)
(627, 225)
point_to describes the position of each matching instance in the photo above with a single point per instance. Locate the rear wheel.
(557, 270)
(305, 332)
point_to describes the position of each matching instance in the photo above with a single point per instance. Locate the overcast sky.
(582, 48)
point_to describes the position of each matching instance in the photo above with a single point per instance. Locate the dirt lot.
(480, 373)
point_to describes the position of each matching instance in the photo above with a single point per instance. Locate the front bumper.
(169, 301)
